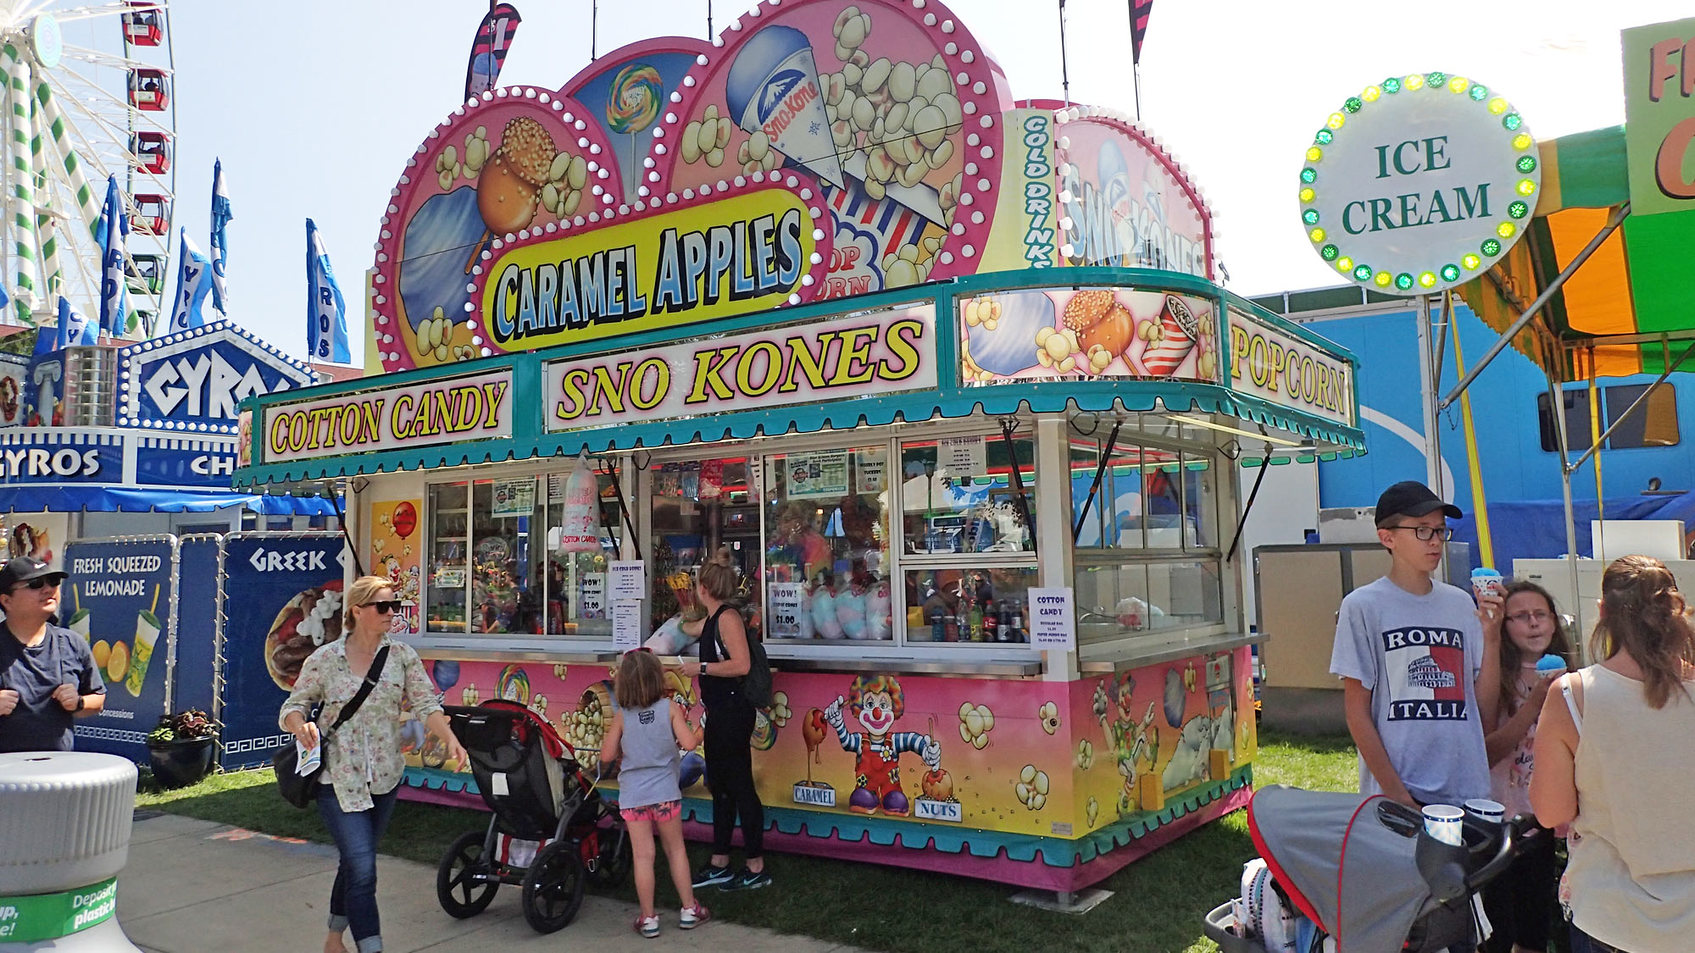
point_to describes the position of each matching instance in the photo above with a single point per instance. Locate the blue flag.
(113, 235)
(74, 328)
(221, 216)
(326, 311)
(194, 274)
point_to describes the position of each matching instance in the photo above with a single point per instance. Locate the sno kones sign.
(195, 380)
(817, 149)
(1419, 183)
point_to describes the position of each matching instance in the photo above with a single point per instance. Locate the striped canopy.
(1624, 311)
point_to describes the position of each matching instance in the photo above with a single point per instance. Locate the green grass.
(1157, 903)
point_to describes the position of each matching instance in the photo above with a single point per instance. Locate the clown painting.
(877, 702)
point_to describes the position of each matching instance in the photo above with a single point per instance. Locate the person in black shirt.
(47, 673)
(724, 659)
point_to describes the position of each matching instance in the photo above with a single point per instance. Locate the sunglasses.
(386, 606)
(39, 582)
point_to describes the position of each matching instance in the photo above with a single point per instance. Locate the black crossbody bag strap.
(371, 678)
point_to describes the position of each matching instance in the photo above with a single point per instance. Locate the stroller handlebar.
(1515, 834)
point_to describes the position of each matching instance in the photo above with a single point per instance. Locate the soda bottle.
(1003, 622)
(975, 619)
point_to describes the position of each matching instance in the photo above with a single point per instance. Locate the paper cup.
(1443, 823)
(1486, 580)
(1484, 809)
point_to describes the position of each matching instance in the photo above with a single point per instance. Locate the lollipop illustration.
(632, 101)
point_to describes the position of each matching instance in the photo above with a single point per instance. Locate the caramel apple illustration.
(1100, 321)
(510, 182)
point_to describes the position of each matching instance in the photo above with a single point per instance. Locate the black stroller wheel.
(615, 858)
(553, 886)
(465, 880)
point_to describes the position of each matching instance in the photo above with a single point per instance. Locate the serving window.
(826, 554)
(497, 565)
(1145, 521)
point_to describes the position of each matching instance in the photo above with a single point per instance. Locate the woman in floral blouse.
(362, 761)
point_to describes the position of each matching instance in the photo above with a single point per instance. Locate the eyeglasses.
(1525, 618)
(1428, 533)
(385, 607)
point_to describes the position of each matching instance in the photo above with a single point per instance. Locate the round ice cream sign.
(1419, 183)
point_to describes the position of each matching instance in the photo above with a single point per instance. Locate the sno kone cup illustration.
(773, 89)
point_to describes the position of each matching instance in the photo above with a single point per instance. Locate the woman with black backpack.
(726, 659)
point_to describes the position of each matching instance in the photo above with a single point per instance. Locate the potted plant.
(181, 748)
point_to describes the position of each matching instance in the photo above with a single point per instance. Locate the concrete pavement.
(193, 886)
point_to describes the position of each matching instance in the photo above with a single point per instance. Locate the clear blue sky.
(315, 106)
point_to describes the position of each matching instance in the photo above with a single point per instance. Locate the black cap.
(23, 569)
(1412, 498)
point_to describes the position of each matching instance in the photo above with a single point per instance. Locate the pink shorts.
(657, 813)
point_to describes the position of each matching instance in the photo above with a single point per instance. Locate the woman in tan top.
(1613, 760)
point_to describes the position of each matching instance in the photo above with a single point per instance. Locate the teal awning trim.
(949, 400)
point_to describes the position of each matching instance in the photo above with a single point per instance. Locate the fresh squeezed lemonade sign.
(1273, 364)
(746, 252)
(1419, 183)
(460, 408)
(871, 354)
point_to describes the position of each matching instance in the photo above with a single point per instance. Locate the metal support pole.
(1613, 222)
(1556, 407)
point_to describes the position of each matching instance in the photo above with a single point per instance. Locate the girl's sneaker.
(647, 926)
(692, 917)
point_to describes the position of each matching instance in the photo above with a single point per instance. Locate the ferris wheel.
(88, 90)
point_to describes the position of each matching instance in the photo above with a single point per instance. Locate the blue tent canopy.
(128, 499)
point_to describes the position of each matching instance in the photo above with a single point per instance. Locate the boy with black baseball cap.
(47, 672)
(1418, 662)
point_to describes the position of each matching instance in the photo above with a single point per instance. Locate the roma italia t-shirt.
(1419, 656)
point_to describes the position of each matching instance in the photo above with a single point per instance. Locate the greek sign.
(1278, 366)
(444, 411)
(871, 354)
(1419, 183)
(742, 254)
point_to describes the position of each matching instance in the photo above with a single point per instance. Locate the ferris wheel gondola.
(88, 94)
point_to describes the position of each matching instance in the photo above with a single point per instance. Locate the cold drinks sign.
(1419, 183)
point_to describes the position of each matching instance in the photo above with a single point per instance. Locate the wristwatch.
(81, 703)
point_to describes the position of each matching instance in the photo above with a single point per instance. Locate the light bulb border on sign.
(1439, 275)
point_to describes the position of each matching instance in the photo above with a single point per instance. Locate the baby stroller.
(550, 831)
(1364, 873)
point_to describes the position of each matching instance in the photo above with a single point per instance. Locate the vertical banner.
(120, 596)
(282, 600)
(394, 553)
(326, 309)
(195, 673)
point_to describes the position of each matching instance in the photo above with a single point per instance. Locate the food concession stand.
(947, 376)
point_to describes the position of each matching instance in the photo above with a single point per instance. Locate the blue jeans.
(353, 899)
(1584, 943)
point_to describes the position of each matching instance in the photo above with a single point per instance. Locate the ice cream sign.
(1419, 183)
(462, 408)
(865, 355)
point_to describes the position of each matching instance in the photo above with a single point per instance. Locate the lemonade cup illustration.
(146, 634)
(79, 625)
